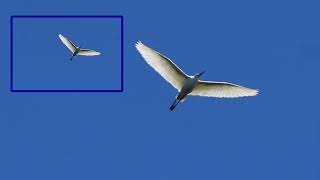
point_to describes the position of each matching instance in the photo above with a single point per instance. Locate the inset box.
(40, 61)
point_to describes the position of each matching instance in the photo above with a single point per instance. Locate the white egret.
(190, 85)
(77, 50)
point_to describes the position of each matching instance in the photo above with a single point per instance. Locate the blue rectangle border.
(69, 16)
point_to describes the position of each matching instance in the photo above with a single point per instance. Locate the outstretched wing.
(164, 66)
(68, 43)
(88, 52)
(222, 90)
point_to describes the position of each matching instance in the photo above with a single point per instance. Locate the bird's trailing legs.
(174, 104)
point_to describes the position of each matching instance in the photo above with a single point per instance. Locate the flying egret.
(77, 50)
(190, 85)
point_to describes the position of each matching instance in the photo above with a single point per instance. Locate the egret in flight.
(77, 50)
(190, 85)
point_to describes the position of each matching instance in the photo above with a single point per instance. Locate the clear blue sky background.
(273, 46)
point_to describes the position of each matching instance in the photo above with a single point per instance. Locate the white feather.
(163, 65)
(221, 90)
(88, 52)
(68, 43)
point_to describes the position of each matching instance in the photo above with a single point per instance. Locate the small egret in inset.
(77, 50)
(190, 85)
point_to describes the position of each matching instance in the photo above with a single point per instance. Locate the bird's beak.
(200, 74)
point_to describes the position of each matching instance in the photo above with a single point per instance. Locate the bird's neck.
(195, 77)
(194, 80)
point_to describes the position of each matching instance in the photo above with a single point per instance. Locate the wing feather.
(88, 52)
(163, 65)
(68, 43)
(222, 90)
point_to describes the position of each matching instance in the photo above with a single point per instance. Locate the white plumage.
(164, 66)
(68, 43)
(77, 50)
(221, 90)
(190, 85)
(88, 52)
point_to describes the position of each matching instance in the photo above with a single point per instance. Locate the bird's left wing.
(88, 52)
(68, 43)
(163, 65)
(222, 90)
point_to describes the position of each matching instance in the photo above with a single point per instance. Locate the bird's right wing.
(164, 66)
(88, 52)
(222, 90)
(68, 43)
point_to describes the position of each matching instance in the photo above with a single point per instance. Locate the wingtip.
(251, 92)
(61, 36)
(138, 43)
(256, 92)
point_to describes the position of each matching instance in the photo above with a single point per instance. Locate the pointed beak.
(200, 74)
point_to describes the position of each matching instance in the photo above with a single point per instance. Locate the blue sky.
(273, 46)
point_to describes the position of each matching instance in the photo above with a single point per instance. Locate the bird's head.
(199, 74)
